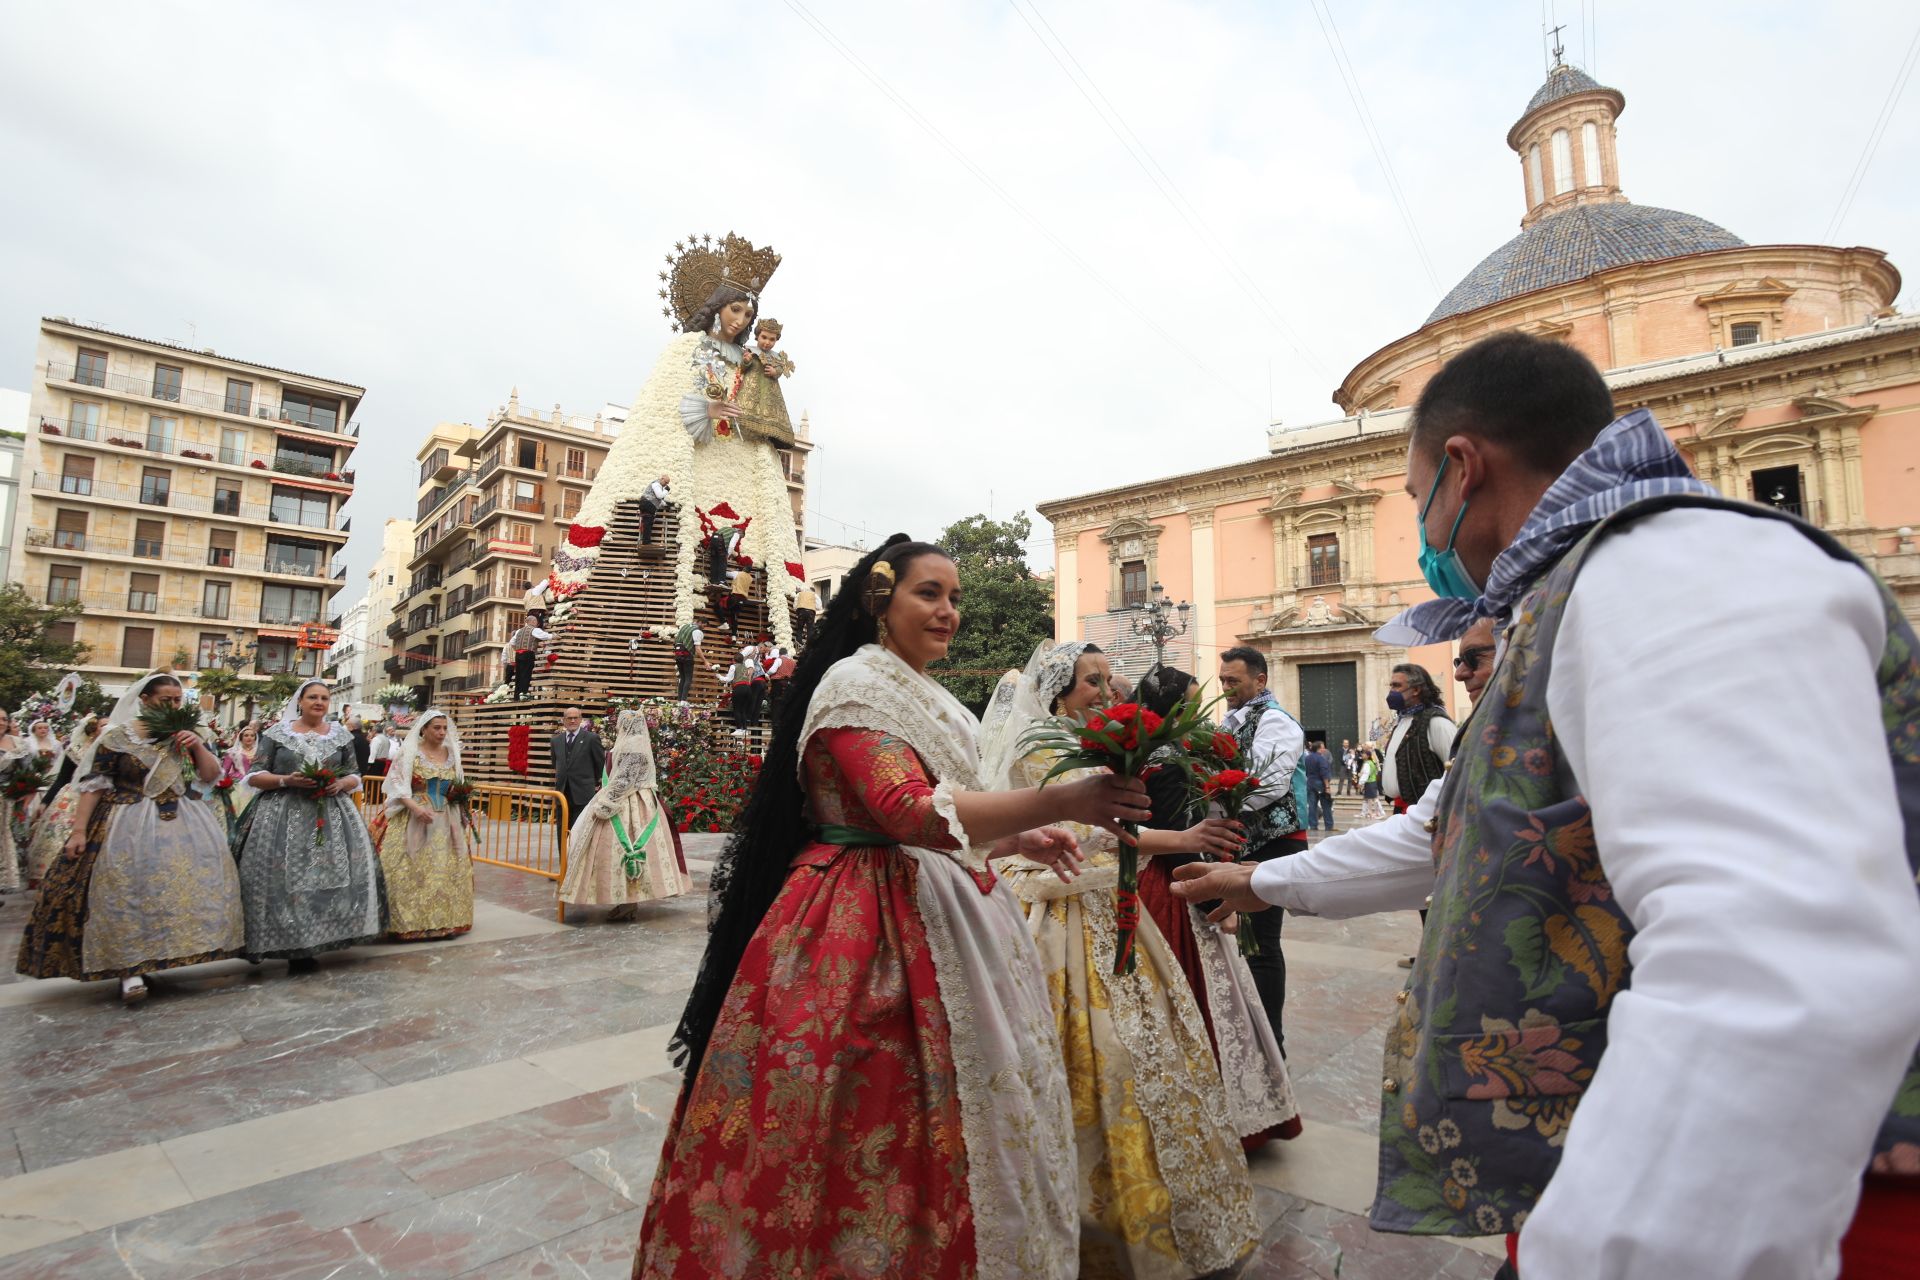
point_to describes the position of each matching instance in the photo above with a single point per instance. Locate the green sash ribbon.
(852, 837)
(634, 857)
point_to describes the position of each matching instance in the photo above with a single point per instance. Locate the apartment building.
(190, 501)
(344, 662)
(492, 502)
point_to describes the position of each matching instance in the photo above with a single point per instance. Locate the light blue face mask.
(1442, 569)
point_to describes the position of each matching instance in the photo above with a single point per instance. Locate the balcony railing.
(290, 616)
(577, 473)
(490, 465)
(216, 504)
(210, 401)
(202, 451)
(282, 564)
(145, 603)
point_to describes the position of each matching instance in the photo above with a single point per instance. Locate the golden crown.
(698, 266)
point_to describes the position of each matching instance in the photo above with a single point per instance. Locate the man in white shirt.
(523, 644)
(380, 751)
(653, 500)
(1747, 968)
(1271, 741)
(1408, 766)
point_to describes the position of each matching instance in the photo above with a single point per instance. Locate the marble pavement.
(493, 1106)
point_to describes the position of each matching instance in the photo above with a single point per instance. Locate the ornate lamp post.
(234, 654)
(1161, 620)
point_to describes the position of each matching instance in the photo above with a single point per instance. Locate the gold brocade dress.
(1164, 1191)
(426, 866)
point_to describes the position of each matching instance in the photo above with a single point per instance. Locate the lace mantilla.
(873, 689)
(313, 748)
(1259, 1092)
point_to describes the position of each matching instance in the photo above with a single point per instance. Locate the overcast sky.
(441, 202)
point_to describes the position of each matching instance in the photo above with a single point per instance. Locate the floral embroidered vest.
(1504, 1020)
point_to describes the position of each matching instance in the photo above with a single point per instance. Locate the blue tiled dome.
(1562, 82)
(1578, 242)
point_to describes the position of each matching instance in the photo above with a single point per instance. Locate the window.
(143, 592)
(136, 647)
(526, 496)
(289, 606)
(1535, 192)
(70, 530)
(85, 422)
(310, 410)
(295, 557)
(233, 446)
(275, 656)
(239, 397)
(527, 453)
(226, 497)
(299, 459)
(1590, 153)
(824, 590)
(208, 652)
(64, 632)
(76, 475)
(166, 383)
(220, 548)
(63, 584)
(90, 368)
(1323, 559)
(570, 502)
(1133, 584)
(216, 599)
(432, 463)
(149, 538)
(577, 463)
(518, 531)
(297, 506)
(1746, 333)
(156, 486)
(518, 580)
(1780, 487)
(161, 432)
(1562, 162)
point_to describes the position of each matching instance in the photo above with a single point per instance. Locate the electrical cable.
(1874, 136)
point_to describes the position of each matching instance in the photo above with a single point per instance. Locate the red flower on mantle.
(586, 535)
(725, 512)
(519, 738)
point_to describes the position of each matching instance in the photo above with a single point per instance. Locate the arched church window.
(1534, 189)
(1590, 152)
(1562, 162)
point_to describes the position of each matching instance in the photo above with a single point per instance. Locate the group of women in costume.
(906, 1051)
(139, 868)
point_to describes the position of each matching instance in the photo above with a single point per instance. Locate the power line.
(1874, 136)
(1350, 80)
(987, 180)
(1156, 174)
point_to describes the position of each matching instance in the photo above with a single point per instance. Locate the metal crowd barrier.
(519, 828)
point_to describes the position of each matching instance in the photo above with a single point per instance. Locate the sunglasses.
(1472, 658)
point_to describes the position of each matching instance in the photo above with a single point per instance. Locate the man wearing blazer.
(577, 760)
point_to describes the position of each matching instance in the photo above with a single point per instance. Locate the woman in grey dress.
(307, 867)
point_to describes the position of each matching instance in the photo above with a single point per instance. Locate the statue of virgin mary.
(687, 422)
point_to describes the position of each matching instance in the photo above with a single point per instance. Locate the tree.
(222, 686)
(1007, 611)
(30, 659)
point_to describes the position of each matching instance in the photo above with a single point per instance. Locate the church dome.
(1579, 242)
(1563, 81)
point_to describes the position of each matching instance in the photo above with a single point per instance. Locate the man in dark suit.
(577, 761)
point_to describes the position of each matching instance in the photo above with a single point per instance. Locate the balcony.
(292, 566)
(294, 615)
(298, 416)
(221, 504)
(506, 547)
(108, 438)
(142, 604)
(490, 465)
(577, 473)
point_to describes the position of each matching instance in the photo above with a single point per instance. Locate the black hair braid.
(773, 825)
(1162, 688)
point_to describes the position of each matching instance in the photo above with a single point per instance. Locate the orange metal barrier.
(519, 828)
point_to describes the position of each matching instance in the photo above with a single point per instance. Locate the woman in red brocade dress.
(874, 1084)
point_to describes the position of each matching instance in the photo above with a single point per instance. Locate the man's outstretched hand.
(1230, 882)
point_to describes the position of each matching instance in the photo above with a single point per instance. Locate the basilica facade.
(1782, 372)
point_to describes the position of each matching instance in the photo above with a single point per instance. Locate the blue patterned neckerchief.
(1632, 459)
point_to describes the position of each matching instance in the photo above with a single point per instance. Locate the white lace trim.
(312, 747)
(1038, 882)
(1015, 1112)
(1259, 1091)
(873, 689)
(1199, 1155)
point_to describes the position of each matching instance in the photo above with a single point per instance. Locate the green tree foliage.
(30, 659)
(1007, 611)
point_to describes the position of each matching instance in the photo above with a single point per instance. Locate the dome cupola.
(1565, 141)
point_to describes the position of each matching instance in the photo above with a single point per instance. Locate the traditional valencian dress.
(426, 866)
(624, 830)
(882, 1093)
(12, 873)
(1164, 1190)
(155, 887)
(306, 893)
(55, 823)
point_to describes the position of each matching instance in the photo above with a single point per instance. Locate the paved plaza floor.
(493, 1106)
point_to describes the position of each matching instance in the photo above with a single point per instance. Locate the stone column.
(1205, 642)
(1066, 585)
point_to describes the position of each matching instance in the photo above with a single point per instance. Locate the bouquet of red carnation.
(1122, 738)
(460, 796)
(33, 772)
(323, 777)
(224, 790)
(1231, 789)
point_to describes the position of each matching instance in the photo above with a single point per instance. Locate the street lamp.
(1161, 620)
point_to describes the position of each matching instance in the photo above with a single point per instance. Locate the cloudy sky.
(1032, 248)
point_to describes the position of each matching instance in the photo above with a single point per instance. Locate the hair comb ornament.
(878, 591)
(699, 265)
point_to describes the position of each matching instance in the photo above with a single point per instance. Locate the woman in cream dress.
(425, 862)
(622, 851)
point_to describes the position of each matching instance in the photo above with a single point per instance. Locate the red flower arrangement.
(1231, 789)
(1123, 738)
(519, 738)
(258, 464)
(585, 535)
(323, 777)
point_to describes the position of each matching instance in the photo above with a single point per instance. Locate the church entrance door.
(1330, 702)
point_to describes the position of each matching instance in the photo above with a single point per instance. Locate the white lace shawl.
(873, 689)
